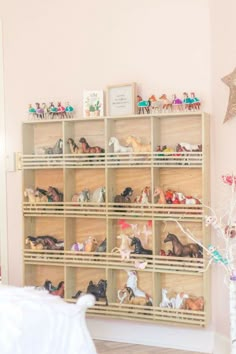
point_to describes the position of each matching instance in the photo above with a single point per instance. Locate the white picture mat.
(120, 100)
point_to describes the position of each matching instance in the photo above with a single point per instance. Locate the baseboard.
(221, 344)
(189, 339)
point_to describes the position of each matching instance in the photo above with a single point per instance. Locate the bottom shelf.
(150, 314)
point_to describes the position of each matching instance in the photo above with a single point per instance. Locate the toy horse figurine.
(124, 197)
(195, 101)
(74, 149)
(196, 304)
(138, 146)
(99, 195)
(81, 197)
(124, 248)
(59, 290)
(156, 105)
(180, 250)
(143, 106)
(177, 103)
(132, 282)
(144, 197)
(61, 110)
(160, 195)
(117, 147)
(44, 242)
(166, 104)
(54, 194)
(32, 111)
(69, 110)
(87, 149)
(56, 149)
(138, 248)
(39, 111)
(98, 290)
(126, 296)
(187, 101)
(52, 110)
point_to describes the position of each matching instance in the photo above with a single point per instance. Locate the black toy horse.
(124, 197)
(99, 290)
(138, 248)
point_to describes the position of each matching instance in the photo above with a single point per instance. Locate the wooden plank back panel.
(187, 181)
(138, 127)
(188, 284)
(177, 129)
(46, 178)
(36, 275)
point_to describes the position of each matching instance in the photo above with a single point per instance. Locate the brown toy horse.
(87, 149)
(180, 250)
(196, 304)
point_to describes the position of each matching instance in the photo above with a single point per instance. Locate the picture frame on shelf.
(93, 103)
(121, 99)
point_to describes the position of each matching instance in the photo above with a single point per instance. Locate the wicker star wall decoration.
(230, 81)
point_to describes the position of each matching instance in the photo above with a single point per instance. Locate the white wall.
(55, 49)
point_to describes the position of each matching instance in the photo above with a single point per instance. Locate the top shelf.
(159, 115)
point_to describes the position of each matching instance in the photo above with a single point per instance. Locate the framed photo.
(93, 105)
(121, 99)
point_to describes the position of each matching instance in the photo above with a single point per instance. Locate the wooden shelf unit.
(185, 172)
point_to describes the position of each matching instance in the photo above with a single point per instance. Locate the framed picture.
(93, 105)
(121, 99)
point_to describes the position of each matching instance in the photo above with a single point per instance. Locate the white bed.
(35, 322)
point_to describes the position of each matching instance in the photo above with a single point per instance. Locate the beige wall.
(55, 49)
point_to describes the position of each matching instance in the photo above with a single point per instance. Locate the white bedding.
(35, 322)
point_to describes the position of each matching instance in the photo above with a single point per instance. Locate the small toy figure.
(143, 106)
(61, 110)
(69, 110)
(187, 101)
(52, 110)
(177, 103)
(195, 101)
(156, 105)
(32, 111)
(217, 256)
(39, 111)
(166, 104)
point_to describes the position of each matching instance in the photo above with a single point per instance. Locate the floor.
(104, 347)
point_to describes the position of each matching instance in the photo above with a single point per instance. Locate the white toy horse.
(117, 147)
(81, 197)
(99, 195)
(124, 248)
(165, 301)
(132, 283)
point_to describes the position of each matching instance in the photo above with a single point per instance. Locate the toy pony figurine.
(180, 250)
(177, 103)
(143, 106)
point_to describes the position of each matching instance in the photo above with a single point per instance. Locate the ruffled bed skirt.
(35, 322)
